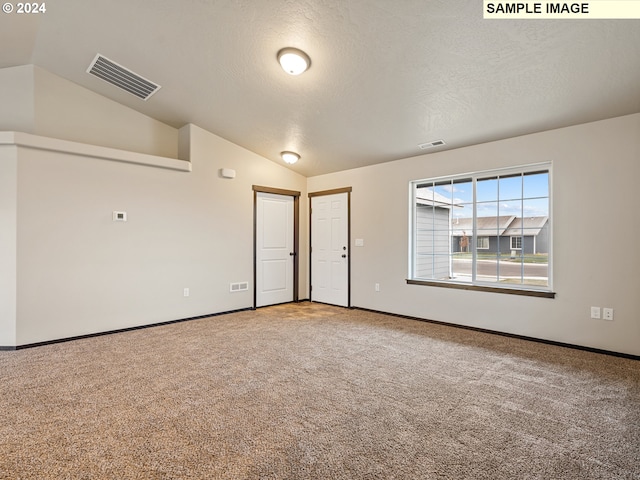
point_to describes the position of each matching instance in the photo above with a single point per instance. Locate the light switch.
(359, 242)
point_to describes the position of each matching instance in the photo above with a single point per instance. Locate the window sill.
(482, 288)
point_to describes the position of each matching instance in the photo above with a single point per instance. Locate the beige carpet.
(308, 391)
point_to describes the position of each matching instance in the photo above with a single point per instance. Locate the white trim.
(530, 167)
(475, 177)
(27, 140)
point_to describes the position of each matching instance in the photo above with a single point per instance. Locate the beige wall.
(231, 200)
(66, 111)
(8, 238)
(36, 101)
(78, 272)
(17, 111)
(595, 172)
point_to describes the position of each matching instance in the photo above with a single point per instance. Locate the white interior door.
(330, 249)
(274, 249)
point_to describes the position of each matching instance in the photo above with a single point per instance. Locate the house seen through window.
(486, 228)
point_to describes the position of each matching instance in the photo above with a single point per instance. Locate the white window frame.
(516, 238)
(520, 289)
(481, 241)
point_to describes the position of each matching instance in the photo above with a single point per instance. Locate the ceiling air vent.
(117, 75)
(435, 143)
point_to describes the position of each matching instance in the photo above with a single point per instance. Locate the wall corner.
(184, 142)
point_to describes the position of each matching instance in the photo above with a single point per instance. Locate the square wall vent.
(121, 77)
(435, 143)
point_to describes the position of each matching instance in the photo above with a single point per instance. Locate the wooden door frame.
(321, 193)
(296, 235)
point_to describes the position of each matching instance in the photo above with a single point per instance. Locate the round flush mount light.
(293, 61)
(290, 157)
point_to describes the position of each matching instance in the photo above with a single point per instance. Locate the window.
(487, 229)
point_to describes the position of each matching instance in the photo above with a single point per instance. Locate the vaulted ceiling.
(385, 77)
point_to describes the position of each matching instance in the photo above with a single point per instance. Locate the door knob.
(344, 255)
(292, 253)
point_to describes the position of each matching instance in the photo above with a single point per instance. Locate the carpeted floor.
(310, 391)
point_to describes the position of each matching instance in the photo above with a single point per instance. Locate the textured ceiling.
(385, 75)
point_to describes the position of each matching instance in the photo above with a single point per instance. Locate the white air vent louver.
(436, 143)
(239, 287)
(117, 75)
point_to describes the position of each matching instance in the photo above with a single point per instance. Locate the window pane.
(523, 269)
(487, 209)
(461, 241)
(441, 267)
(444, 191)
(425, 214)
(463, 192)
(512, 208)
(462, 213)
(487, 267)
(536, 185)
(461, 264)
(535, 274)
(511, 280)
(487, 190)
(441, 242)
(510, 188)
(510, 268)
(425, 194)
(536, 208)
(423, 267)
(461, 224)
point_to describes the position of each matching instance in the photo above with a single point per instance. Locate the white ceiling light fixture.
(290, 157)
(294, 61)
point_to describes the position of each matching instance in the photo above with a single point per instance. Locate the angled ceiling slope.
(386, 77)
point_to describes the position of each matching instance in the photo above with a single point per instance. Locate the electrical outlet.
(186, 292)
(595, 312)
(377, 286)
(607, 313)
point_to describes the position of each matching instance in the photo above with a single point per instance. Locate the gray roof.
(486, 225)
(426, 196)
(507, 225)
(526, 226)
